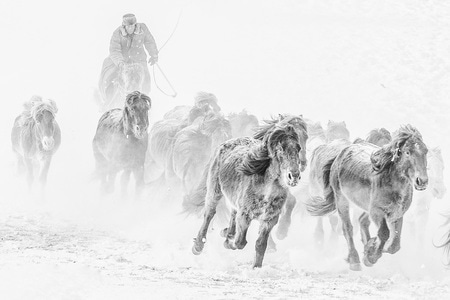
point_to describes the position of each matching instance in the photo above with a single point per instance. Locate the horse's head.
(297, 123)
(132, 77)
(284, 149)
(43, 114)
(409, 152)
(336, 130)
(135, 113)
(436, 173)
(379, 137)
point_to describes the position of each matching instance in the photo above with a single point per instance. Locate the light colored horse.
(380, 181)
(35, 138)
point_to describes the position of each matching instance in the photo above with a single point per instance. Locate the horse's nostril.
(290, 176)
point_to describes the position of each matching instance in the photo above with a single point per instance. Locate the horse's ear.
(343, 123)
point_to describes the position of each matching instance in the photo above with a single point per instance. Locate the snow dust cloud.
(371, 64)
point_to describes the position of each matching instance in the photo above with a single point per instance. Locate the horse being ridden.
(120, 142)
(379, 181)
(253, 175)
(125, 79)
(36, 137)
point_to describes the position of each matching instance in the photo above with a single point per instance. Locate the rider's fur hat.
(129, 19)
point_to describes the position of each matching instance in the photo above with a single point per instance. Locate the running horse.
(115, 83)
(35, 138)
(254, 176)
(380, 181)
(120, 142)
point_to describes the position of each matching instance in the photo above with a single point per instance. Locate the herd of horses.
(262, 171)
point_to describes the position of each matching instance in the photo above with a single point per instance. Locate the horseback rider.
(127, 46)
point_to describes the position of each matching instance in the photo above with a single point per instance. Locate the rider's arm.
(149, 42)
(115, 49)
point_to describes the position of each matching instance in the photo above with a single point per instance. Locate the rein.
(174, 92)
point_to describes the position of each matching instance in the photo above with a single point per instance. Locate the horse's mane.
(259, 159)
(296, 121)
(36, 106)
(132, 67)
(375, 135)
(386, 156)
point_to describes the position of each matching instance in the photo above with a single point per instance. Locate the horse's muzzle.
(293, 178)
(420, 184)
(48, 143)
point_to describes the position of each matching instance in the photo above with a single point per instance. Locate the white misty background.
(369, 63)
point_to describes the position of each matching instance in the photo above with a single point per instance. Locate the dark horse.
(254, 176)
(35, 137)
(120, 142)
(126, 79)
(379, 181)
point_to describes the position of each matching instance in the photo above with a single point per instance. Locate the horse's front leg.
(30, 172)
(138, 174)
(286, 217)
(374, 247)
(395, 229)
(242, 223)
(44, 170)
(261, 242)
(124, 181)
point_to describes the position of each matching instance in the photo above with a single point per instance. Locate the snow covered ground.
(370, 63)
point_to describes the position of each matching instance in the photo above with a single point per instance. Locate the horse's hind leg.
(261, 242)
(213, 195)
(230, 232)
(285, 219)
(347, 228)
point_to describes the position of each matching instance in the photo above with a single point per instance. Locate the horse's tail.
(194, 201)
(317, 206)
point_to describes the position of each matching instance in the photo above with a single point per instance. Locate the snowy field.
(369, 63)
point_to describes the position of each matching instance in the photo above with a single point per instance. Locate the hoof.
(367, 263)
(355, 267)
(228, 245)
(224, 232)
(197, 250)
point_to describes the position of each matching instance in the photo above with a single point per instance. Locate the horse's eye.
(407, 152)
